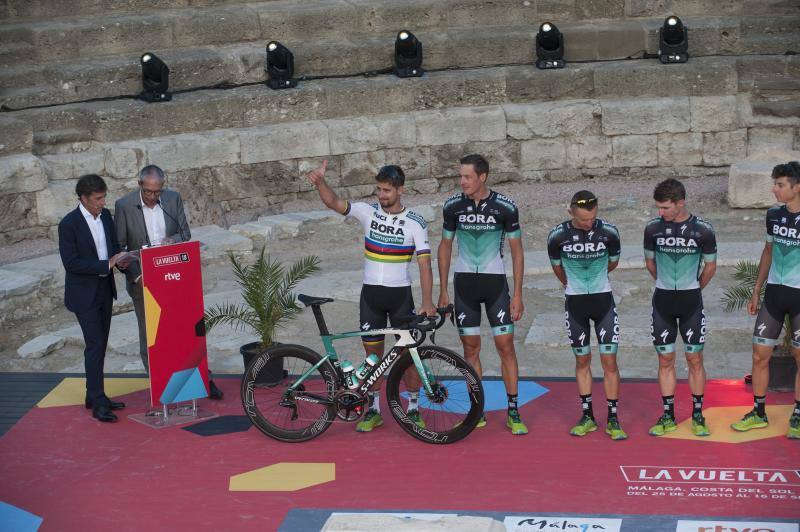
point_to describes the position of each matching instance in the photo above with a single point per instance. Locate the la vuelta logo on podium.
(711, 475)
(168, 260)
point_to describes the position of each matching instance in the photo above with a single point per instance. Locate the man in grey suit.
(150, 216)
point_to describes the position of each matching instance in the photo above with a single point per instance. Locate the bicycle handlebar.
(425, 324)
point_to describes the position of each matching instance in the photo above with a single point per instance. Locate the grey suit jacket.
(131, 229)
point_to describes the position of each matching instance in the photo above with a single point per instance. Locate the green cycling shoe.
(615, 431)
(665, 424)
(584, 426)
(751, 420)
(372, 420)
(794, 427)
(514, 422)
(699, 427)
(414, 416)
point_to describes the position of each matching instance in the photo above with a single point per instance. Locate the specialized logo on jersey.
(366, 327)
(501, 315)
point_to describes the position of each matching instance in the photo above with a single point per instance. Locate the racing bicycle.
(313, 390)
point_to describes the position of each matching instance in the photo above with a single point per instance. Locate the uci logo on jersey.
(581, 247)
(477, 218)
(782, 230)
(676, 241)
(386, 229)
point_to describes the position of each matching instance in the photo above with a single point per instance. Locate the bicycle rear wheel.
(277, 411)
(452, 410)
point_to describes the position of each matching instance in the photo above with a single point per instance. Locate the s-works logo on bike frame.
(168, 260)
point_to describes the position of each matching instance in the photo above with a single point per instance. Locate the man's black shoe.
(103, 413)
(113, 405)
(214, 392)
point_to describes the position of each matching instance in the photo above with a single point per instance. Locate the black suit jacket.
(79, 256)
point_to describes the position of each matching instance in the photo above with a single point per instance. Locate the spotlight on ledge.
(407, 56)
(549, 47)
(280, 67)
(155, 79)
(673, 41)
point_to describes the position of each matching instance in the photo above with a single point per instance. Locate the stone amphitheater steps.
(320, 99)
(34, 82)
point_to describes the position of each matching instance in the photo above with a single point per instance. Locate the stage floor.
(62, 470)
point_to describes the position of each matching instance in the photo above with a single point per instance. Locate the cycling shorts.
(472, 289)
(779, 301)
(379, 302)
(675, 310)
(599, 308)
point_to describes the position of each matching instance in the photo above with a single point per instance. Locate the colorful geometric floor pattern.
(59, 465)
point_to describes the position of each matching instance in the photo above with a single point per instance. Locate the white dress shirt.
(98, 232)
(154, 221)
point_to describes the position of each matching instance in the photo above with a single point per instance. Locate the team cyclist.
(393, 234)
(482, 219)
(780, 267)
(582, 251)
(681, 255)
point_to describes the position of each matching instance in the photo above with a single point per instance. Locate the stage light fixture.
(673, 41)
(155, 79)
(549, 47)
(407, 56)
(280, 67)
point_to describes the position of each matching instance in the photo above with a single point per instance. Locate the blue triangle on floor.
(17, 519)
(494, 391)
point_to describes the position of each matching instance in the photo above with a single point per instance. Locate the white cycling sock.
(413, 401)
(375, 401)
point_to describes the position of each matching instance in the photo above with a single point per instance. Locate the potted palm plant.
(781, 364)
(267, 288)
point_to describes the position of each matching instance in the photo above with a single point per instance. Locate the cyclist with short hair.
(780, 268)
(393, 235)
(582, 251)
(680, 252)
(482, 219)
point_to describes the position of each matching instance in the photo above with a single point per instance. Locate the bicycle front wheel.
(277, 410)
(455, 405)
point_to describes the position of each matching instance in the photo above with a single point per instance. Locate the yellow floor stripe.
(284, 476)
(72, 390)
(719, 419)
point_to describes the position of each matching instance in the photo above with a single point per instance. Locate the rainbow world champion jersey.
(390, 241)
(481, 230)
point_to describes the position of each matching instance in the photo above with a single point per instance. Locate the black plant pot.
(782, 369)
(272, 372)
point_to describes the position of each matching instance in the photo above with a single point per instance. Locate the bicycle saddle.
(311, 300)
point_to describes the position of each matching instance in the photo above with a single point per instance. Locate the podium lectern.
(172, 283)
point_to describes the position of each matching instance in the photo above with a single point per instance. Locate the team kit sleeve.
(649, 246)
(709, 244)
(554, 245)
(511, 225)
(770, 234)
(420, 235)
(449, 220)
(614, 243)
(358, 210)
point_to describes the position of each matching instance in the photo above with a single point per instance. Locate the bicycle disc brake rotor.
(350, 404)
(438, 393)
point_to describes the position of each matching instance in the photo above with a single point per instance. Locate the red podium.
(172, 283)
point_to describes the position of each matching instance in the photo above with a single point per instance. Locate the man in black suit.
(87, 242)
